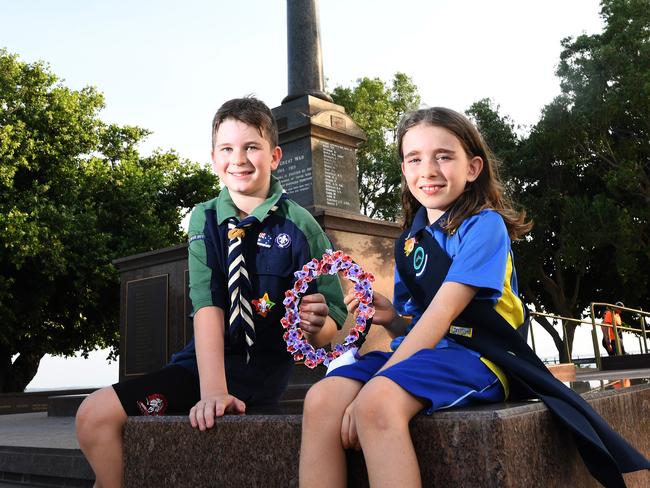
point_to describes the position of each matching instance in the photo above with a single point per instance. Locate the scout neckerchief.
(239, 285)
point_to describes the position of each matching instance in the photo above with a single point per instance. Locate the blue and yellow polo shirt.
(273, 249)
(481, 255)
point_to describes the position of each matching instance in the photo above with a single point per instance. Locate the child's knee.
(317, 400)
(373, 411)
(100, 409)
(324, 399)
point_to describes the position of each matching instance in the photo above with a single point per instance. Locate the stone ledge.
(36, 401)
(506, 445)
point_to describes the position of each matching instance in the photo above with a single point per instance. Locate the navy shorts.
(175, 389)
(446, 377)
(170, 390)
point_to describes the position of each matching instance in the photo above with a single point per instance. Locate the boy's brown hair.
(486, 192)
(250, 111)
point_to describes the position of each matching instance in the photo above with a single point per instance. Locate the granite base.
(505, 445)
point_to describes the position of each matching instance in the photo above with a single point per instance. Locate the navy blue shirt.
(273, 249)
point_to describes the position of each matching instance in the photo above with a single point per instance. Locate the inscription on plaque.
(146, 325)
(334, 164)
(295, 172)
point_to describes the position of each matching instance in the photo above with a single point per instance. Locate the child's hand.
(349, 437)
(313, 312)
(384, 310)
(202, 414)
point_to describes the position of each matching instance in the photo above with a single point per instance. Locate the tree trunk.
(570, 333)
(559, 343)
(5, 367)
(14, 377)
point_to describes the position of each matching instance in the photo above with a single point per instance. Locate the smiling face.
(243, 159)
(436, 167)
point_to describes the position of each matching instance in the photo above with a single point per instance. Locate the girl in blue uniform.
(455, 278)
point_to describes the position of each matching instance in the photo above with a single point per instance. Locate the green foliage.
(377, 108)
(583, 172)
(499, 132)
(74, 195)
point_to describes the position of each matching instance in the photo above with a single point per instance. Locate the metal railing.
(643, 330)
(563, 320)
(594, 334)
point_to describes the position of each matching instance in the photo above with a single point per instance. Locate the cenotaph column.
(318, 139)
(319, 166)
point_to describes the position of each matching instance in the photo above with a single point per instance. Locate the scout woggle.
(332, 263)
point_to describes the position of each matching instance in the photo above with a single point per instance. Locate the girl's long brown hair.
(486, 192)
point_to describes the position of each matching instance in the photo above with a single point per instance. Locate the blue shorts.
(446, 377)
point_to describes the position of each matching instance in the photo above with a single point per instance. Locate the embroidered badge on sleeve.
(196, 237)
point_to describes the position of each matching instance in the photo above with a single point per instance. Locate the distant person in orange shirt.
(609, 335)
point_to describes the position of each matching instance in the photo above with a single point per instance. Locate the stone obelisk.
(319, 165)
(318, 139)
(305, 60)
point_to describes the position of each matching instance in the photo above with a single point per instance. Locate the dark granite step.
(45, 467)
(503, 445)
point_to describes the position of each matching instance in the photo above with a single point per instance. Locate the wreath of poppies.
(332, 263)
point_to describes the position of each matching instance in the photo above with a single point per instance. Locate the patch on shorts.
(155, 404)
(461, 331)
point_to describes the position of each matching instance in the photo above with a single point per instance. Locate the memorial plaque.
(295, 172)
(319, 167)
(338, 168)
(146, 325)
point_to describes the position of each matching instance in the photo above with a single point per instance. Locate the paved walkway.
(37, 430)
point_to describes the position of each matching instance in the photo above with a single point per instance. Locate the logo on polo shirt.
(283, 240)
(264, 240)
(420, 259)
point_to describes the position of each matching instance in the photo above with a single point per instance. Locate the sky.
(167, 65)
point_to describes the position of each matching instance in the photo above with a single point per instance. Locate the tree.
(74, 195)
(377, 108)
(583, 172)
(606, 80)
